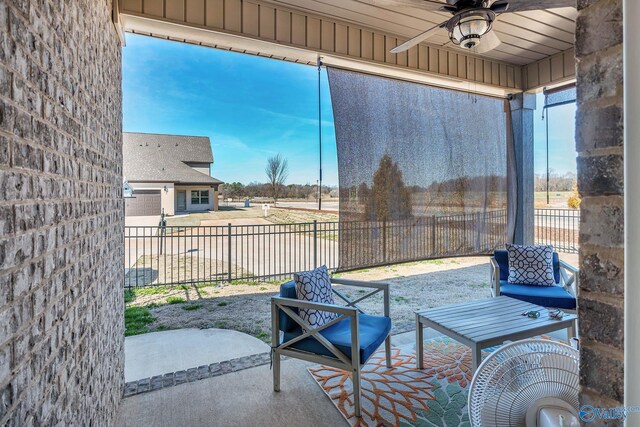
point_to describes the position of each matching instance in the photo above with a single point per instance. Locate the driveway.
(142, 221)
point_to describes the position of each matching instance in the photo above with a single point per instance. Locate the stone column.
(522, 108)
(599, 143)
(632, 208)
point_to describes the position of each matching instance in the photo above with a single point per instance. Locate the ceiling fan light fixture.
(467, 28)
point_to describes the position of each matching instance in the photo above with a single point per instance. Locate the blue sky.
(253, 108)
(562, 149)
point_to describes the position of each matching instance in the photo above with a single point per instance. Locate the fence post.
(162, 232)
(478, 227)
(229, 249)
(384, 241)
(433, 235)
(315, 243)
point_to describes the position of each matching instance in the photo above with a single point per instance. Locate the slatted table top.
(492, 319)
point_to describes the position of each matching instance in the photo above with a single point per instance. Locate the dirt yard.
(232, 214)
(245, 306)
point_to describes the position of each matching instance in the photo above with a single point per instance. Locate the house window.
(200, 197)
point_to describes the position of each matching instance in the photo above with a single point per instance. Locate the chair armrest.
(378, 286)
(569, 267)
(569, 281)
(333, 308)
(495, 277)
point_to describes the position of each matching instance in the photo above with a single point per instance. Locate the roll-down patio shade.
(422, 170)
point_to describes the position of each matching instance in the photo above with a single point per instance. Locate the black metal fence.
(558, 227)
(201, 254)
(376, 243)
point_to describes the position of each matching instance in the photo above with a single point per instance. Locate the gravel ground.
(245, 306)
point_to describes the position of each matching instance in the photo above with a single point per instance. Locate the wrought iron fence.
(175, 255)
(558, 227)
(172, 255)
(200, 254)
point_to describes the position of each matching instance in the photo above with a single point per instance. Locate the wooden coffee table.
(487, 323)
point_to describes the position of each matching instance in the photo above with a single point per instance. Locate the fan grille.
(515, 376)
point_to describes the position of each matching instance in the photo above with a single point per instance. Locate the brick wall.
(61, 216)
(599, 142)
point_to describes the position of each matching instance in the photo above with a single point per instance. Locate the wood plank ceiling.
(526, 36)
(536, 49)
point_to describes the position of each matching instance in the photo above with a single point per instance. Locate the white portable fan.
(526, 383)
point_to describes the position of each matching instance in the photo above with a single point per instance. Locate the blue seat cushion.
(546, 296)
(373, 331)
(502, 258)
(288, 290)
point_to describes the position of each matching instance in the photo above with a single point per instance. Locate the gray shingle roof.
(156, 157)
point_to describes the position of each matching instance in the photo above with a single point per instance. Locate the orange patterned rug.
(402, 395)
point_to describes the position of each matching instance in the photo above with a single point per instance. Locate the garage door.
(144, 202)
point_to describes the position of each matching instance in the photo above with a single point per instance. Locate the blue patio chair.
(562, 295)
(346, 342)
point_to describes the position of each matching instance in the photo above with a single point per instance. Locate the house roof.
(163, 158)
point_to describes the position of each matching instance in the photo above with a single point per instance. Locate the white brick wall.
(61, 213)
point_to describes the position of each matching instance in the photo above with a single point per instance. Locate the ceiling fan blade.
(500, 6)
(423, 4)
(417, 39)
(524, 5)
(488, 42)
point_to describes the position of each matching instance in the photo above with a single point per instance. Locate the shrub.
(574, 199)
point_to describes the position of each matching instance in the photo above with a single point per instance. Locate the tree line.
(238, 191)
(557, 182)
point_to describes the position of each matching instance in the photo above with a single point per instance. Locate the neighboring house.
(168, 172)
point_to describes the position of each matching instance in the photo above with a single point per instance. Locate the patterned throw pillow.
(315, 286)
(531, 265)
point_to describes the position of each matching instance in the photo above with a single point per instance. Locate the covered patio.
(546, 45)
(537, 52)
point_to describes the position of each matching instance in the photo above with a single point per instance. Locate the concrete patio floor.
(158, 353)
(245, 398)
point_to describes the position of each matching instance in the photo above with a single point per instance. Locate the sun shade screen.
(561, 96)
(422, 170)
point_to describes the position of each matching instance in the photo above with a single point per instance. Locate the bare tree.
(277, 170)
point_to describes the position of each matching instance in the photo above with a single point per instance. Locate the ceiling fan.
(470, 27)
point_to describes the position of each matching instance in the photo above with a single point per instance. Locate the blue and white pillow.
(315, 286)
(531, 265)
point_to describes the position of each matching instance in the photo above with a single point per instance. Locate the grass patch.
(401, 299)
(222, 304)
(205, 285)
(129, 296)
(156, 290)
(136, 320)
(263, 335)
(192, 307)
(176, 300)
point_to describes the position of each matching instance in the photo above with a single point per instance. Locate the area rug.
(403, 395)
